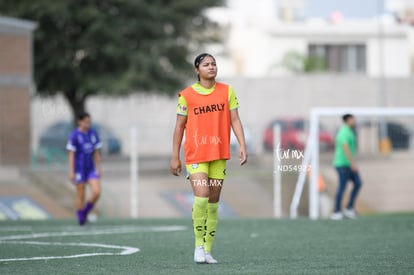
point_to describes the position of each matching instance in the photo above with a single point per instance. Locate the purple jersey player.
(84, 164)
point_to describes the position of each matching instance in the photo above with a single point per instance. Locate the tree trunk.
(76, 103)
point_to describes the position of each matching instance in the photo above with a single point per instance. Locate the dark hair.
(346, 117)
(82, 116)
(200, 58)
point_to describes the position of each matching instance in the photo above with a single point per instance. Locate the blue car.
(56, 137)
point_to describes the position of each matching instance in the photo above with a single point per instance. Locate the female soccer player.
(205, 112)
(84, 164)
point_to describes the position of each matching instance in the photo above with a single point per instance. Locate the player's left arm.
(71, 147)
(237, 127)
(97, 161)
(97, 154)
(348, 154)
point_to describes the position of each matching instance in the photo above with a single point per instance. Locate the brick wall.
(14, 55)
(15, 79)
(14, 126)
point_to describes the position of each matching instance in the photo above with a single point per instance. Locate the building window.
(340, 58)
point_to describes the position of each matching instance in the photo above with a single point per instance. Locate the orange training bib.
(208, 125)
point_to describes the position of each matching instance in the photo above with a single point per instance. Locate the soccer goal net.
(385, 156)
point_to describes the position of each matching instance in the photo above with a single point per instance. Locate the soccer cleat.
(88, 208)
(81, 217)
(350, 214)
(337, 216)
(210, 259)
(199, 255)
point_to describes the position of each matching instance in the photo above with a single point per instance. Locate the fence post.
(134, 172)
(277, 194)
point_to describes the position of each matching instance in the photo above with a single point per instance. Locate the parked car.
(294, 135)
(57, 135)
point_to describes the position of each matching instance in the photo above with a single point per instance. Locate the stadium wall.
(261, 101)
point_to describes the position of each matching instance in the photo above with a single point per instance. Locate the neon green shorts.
(215, 169)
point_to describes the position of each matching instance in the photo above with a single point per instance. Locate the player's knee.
(200, 190)
(96, 193)
(80, 193)
(213, 198)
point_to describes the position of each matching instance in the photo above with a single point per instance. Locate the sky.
(312, 8)
(349, 8)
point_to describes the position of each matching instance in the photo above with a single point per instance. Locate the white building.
(404, 9)
(263, 46)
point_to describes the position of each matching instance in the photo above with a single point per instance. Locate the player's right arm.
(175, 164)
(181, 121)
(71, 147)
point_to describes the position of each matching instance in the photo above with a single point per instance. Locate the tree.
(89, 47)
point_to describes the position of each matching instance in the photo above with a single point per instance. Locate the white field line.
(94, 227)
(125, 250)
(15, 228)
(109, 231)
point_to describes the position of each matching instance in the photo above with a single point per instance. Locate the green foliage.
(88, 47)
(299, 63)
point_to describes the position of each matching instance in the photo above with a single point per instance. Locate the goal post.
(311, 155)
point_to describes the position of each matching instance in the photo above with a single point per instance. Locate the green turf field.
(371, 245)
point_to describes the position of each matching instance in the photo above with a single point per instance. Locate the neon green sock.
(211, 225)
(199, 219)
